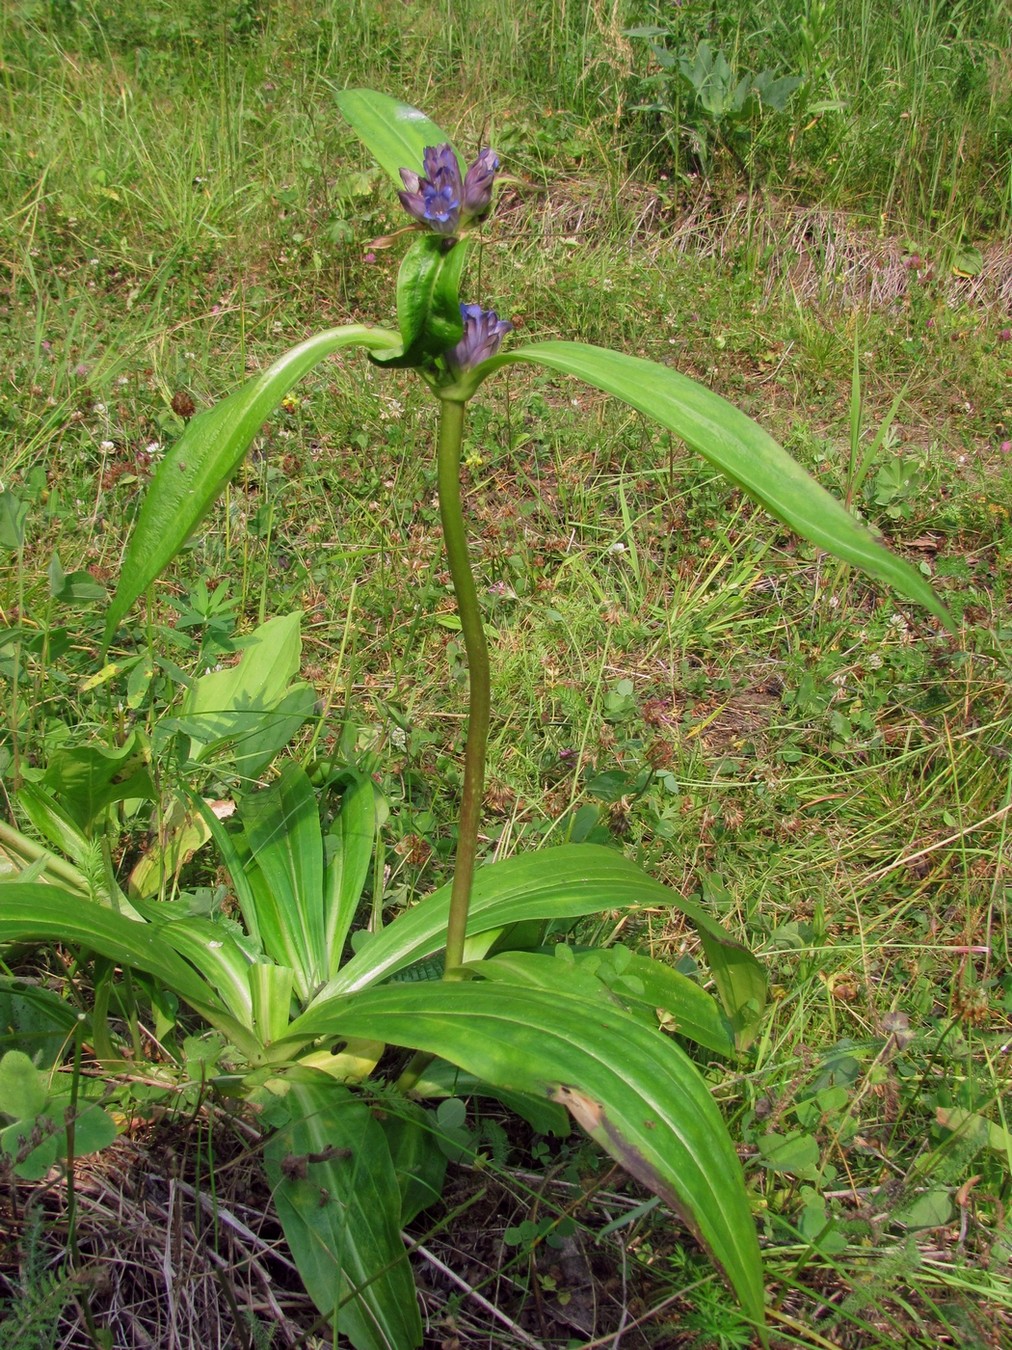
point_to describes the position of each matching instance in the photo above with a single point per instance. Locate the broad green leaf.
(339, 1203)
(931, 1209)
(271, 731)
(212, 949)
(556, 883)
(249, 707)
(967, 262)
(85, 779)
(428, 300)
(40, 913)
(282, 827)
(817, 1225)
(634, 1090)
(419, 1163)
(34, 1020)
(738, 447)
(13, 514)
(208, 453)
(46, 913)
(395, 134)
(94, 1129)
(31, 1164)
(643, 984)
(978, 1130)
(796, 1153)
(354, 837)
(71, 588)
(181, 831)
(22, 1086)
(271, 989)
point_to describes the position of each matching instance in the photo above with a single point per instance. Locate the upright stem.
(451, 431)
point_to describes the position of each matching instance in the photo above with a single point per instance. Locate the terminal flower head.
(434, 199)
(483, 332)
(439, 198)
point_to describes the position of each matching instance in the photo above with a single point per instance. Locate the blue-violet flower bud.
(478, 183)
(438, 198)
(483, 332)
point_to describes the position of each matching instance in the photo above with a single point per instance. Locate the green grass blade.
(394, 133)
(339, 1202)
(632, 1089)
(739, 448)
(206, 456)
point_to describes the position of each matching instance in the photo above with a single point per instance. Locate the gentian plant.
(463, 979)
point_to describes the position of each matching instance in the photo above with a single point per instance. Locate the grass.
(180, 202)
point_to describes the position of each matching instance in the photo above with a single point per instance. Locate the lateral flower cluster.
(439, 198)
(445, 203)
(483, 332)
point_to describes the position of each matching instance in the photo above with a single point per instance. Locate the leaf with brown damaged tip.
(592, 1117)
(633, 1089)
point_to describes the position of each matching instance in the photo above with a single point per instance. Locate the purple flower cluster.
(483, 332)
(439, 198)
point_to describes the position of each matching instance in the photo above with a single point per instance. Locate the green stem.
(451, 431)
(27, 851)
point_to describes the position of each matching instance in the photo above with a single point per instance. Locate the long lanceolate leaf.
(212, 950)
(739, 448)
(354, 833)
(208, 453)
(339, 1201)
(282, 827)
(634, 1091)
(556, 883)
(39, 913)
(648, 987)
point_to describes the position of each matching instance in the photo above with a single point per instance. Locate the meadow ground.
(673, 670)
